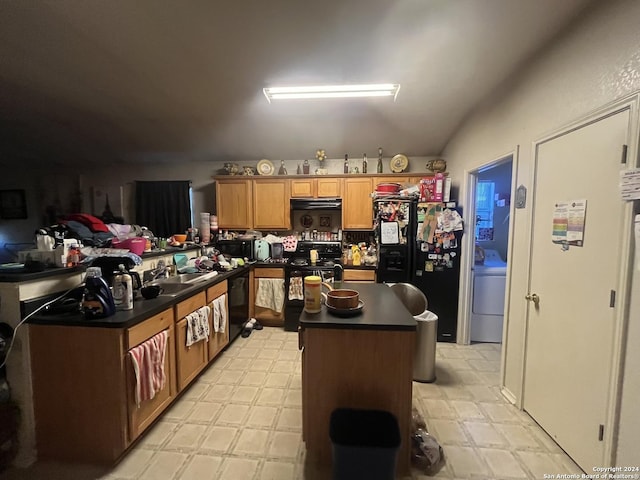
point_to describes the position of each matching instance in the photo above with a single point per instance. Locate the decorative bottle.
(346, 163)
(364, 163)
(379, 168)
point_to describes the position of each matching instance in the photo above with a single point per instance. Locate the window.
(484, 210)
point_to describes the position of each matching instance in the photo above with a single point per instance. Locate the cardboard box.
(51, 258)
(432, 188)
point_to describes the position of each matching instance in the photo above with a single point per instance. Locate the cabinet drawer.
(190, 305)
(147, 329)
(268, 273)
(351, 274)
(217, 290)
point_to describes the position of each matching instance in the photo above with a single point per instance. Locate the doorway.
(489, 189)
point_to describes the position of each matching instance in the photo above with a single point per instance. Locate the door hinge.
(612, 299)
(600, 432)
(624, 153)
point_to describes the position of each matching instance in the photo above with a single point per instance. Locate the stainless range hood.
(316, 204)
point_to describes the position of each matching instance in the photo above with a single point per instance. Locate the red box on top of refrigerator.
(432, 188)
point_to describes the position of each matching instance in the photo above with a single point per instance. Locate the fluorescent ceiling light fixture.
(332, 91)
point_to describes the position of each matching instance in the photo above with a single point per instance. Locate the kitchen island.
(364, 361)
(19, 288)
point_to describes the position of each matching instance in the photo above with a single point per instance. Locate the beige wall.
(592, 64)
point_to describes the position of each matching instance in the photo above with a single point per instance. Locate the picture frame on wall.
(13, 204)
(325, 221)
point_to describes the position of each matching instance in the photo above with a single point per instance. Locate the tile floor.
(241, 419)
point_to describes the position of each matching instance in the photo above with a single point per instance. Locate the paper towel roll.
(205, 228)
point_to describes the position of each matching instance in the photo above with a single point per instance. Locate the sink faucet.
(160, 270)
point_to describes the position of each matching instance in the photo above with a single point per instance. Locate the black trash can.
(365, 444)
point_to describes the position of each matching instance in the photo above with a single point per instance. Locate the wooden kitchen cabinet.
(140, 417)
(303, 188)
(219, 340)
(329, 187)
(189, 360)
(89, 391)
(79, 396)
(234, 203)
(271, 204)
(267, 316)
(357, 205)
(357, 276)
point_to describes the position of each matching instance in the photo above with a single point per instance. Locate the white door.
(570, 331)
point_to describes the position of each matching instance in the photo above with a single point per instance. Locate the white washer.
(487, 313)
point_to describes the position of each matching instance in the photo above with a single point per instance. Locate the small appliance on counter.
(262, 250)
(239, 248)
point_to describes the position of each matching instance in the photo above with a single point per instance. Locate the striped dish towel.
(148, 365)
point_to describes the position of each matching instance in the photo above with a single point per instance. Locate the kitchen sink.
(173, 286)
(171, 289)
(190, 278)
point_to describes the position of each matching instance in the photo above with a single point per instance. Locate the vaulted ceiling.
(148, 80)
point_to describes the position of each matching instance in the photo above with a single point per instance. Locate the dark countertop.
(360, 267)
(20, 275)
(382, 310)
(142, 308)
(268, 265)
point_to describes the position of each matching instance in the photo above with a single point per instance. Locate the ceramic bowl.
(151, 291)
(181, 238)
(342, 298)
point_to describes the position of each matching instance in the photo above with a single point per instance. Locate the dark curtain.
(163, 207)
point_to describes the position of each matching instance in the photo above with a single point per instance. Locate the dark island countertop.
(382, 310)
(142, 308)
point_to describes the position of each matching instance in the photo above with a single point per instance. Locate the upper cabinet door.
(303, 188)
(357, 205)
(233, 203)
(271, 204)
(329, 187)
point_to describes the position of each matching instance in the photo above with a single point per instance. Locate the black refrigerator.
(436, 262)
(395, 230)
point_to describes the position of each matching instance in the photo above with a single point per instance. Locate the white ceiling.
(148, 80)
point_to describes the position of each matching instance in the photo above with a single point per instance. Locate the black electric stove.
(299, 265)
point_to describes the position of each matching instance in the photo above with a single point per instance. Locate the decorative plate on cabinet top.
(265, 167)
(399, 163)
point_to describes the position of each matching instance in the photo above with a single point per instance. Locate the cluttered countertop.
(142, 309)
(17, 272)
(381, 310)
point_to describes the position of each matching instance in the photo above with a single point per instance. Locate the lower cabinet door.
(140, 417)
(190, 360)
(218, 340)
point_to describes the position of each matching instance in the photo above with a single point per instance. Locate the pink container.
(134, 245)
